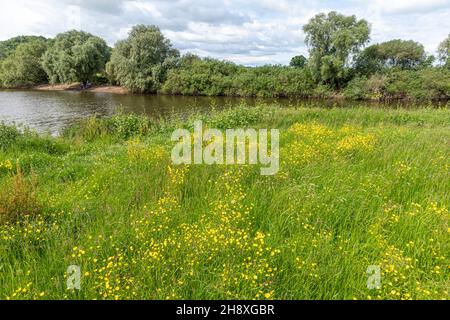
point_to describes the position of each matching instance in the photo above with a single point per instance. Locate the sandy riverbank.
(76, 87)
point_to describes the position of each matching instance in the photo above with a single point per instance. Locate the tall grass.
(357, 187)
(18, 197)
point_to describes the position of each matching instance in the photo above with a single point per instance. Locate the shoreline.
(122, 91)
(76, 87)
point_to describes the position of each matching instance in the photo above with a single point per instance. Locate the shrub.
(322, 91)
(429, 83)
(210, 77)
(357, 89)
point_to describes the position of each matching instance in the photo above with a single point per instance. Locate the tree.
(23, 68)
(140, 63)
(298, 62)
(368, 62)
(7, 47)
(333, 40)
(444, 52)
(400, 54)
(75, 56)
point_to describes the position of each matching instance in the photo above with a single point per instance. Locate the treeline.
(340, 64)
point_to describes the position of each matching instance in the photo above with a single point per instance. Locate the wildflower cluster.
(411, 269)
(308, 143)
(6, 165)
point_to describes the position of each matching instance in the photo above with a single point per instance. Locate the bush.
(357, 89)
(424, 84)
(210, 77)
(361, 88)
(322, 91)
(430, 83)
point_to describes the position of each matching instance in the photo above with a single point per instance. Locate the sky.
(249, 32)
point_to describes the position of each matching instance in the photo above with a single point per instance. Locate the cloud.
(410, 6)
(98, 6)
(251, 32)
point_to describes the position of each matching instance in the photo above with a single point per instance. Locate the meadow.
(357, 187)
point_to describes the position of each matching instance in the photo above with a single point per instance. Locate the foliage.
(23, 67)
(333, 40)
(211, 77)
(357, 89)
(195, 76)
(75, 56)
(392, 54)
(427, 83)
(140, 63)
(9, 46)
(444, 52)
(298, 61)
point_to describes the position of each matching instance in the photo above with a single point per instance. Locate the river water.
(52, 111)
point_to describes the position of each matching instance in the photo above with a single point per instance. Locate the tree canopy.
(401, 54)
(444, 52)
(23, 67)
(75, 56)
(140, 63)
(298, 61)
(333, 40)
(7, 47)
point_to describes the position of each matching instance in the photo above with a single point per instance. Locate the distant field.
(357, 187)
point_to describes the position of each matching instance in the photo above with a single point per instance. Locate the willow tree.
(75, 56)
(23, 67)
(140, 63)
(8, 47)
(399, 54)
(333, 40)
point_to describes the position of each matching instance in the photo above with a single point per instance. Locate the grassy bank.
(357, 187)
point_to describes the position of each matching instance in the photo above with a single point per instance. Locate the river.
(52, 111)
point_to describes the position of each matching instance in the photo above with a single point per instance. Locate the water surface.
(52, 111)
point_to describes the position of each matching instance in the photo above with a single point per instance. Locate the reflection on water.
(51, 111)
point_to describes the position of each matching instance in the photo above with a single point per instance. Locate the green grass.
(357, 187)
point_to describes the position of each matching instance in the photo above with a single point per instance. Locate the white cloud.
(408, 6)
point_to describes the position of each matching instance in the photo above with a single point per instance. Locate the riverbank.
(332, 96)
(77, 87)
(338, 96)
(357, 187)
